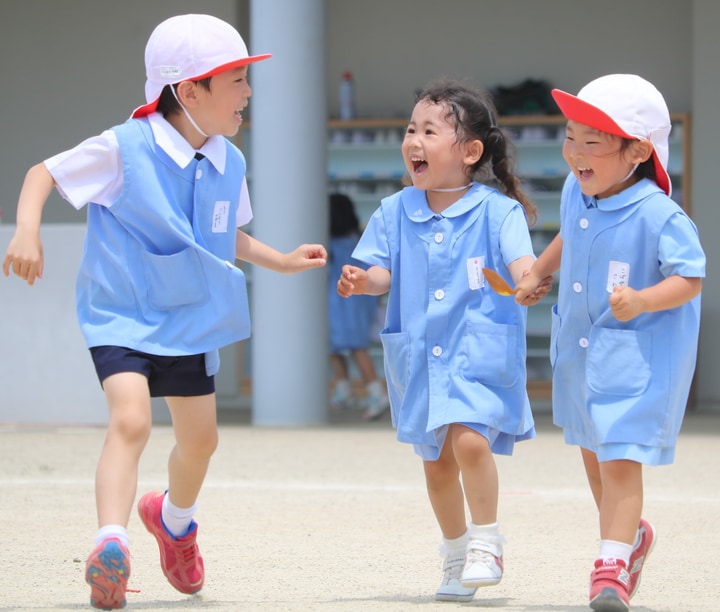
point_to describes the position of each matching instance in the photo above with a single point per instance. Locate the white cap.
(624, 105)
(190, 48)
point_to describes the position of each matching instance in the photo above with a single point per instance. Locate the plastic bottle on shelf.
(347, 97)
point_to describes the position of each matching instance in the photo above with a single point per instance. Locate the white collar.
(179, 149)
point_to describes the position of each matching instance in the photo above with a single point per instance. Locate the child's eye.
(410, 130)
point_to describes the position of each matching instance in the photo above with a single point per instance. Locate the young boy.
(157, 292)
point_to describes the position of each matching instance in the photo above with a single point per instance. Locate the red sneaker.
(180, 558)
(107, 571)
(609, 586)
(648, 537)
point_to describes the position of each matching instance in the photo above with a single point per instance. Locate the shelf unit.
(364, 161)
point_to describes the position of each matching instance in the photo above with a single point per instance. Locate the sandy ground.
(336, 518)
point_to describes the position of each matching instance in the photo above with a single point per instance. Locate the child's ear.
(473, 152)
(641, 151)
(187, 93)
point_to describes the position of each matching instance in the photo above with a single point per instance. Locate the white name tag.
(476, 280)
(618, 275)
(220, 217)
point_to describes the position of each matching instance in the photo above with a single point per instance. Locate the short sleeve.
(373, 248)
(89, 172)
(679, 250)
(515, 241)
(244, 212)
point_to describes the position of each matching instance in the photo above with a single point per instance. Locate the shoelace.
(186, 554)
(481, 555)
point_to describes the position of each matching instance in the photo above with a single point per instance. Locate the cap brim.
(578, 110)
(151, 107)
(575, 109)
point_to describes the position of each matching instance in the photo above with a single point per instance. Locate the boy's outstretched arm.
(304, 257)
(24, 254)
(627, 303)
(356, 281)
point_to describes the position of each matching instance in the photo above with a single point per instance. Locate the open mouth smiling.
(418, 164)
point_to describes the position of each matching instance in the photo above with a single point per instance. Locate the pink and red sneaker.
(648, 537)
(609, 586)
(107, 572)
(180, 557)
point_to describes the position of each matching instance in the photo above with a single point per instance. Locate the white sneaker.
(342, 397)
(376, 407)
(450, 588)
(483, 564)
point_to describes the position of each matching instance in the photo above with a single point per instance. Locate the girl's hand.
(626, 303)
(352, 281)
(531, 288)
(24, 256)
(305, 257)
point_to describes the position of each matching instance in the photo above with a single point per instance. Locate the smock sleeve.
(679, 250)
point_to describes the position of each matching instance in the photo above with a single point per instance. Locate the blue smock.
(454, 350)
(620, 388)
(157, 272)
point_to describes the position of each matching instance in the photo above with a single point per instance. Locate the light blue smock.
(350, 321)
(620, 389)
(454, 350)
(157, 271)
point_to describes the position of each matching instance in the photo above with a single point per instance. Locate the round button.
(439, 294)
(437, 350)
(577, 287)
(584, 342)
(198, 175)
(584, 223)
(439, 237)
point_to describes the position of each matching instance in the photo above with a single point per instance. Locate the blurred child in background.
(350, 321)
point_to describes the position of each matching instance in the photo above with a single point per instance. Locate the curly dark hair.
(473, 113)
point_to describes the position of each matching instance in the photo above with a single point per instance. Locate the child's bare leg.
(365, 365)
(442, 478)
(128, 431)
(479, 473)
(622, 500)
(339, 366)
(196, 438)
(592, 470)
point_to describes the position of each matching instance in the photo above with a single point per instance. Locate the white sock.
(455, 543)
(374, 389)
(610, 549)
(177, 520)
(489, 534)
(112, 531)
(343, 388)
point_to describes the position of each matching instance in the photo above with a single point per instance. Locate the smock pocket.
(175, 280)
(490, 354)
(554, 328)
(397, 354)
(618, 361)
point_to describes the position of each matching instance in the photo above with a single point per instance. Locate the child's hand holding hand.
(531, 288)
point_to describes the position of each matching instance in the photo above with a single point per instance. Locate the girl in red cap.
(625, 328)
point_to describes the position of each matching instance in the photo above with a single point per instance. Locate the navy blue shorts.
(182, 376)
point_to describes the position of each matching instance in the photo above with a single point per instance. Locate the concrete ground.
(336, 518)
